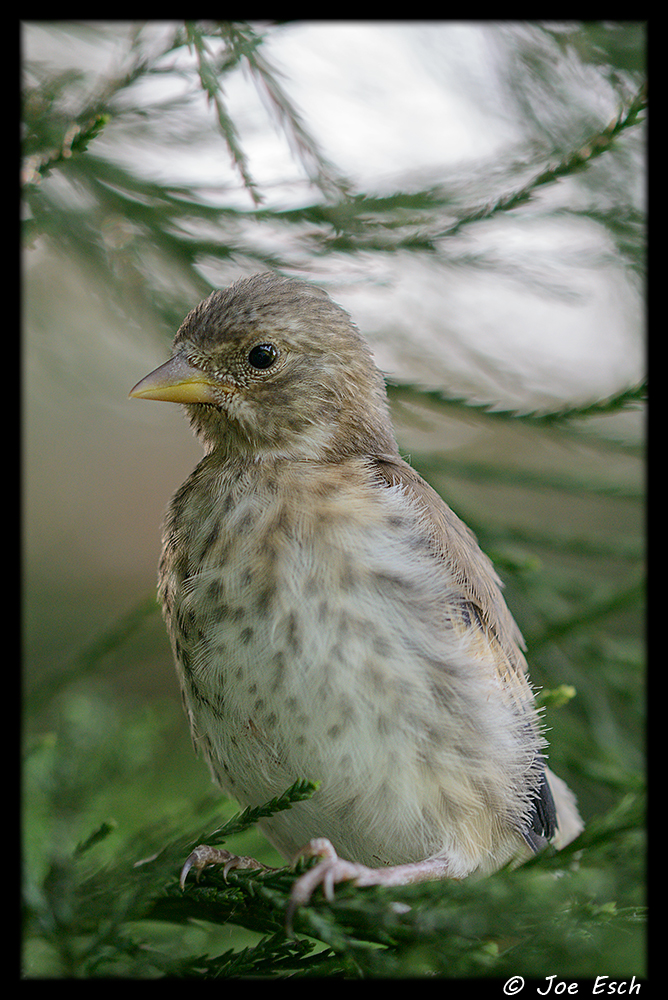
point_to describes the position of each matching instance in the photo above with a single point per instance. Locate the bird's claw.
(203, 856)
(330, 870)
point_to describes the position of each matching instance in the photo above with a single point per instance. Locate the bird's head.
(271, 366)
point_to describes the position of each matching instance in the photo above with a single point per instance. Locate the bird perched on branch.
(331, 618)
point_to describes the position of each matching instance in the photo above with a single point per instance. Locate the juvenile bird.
(331, 618)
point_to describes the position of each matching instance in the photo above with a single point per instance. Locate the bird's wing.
(483, 612)
(482, 615)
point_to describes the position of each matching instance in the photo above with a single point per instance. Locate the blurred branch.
(630, 398)
(209, 74)
(626, 399)
(574, 162)
(599, 607)
(180, 228)
(87, 660)
(75, 141)
(302, 143)
(243, 45)
(378, 931)
(297, 792)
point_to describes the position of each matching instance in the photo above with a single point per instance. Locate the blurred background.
(473, 193)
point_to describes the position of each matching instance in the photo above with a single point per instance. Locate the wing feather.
(483, 612)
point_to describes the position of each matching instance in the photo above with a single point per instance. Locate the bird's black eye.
(262, 356)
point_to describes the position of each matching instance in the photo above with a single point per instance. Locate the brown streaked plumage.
(332, 618)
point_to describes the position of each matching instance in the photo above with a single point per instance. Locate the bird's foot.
(203, 856)
(332, 869)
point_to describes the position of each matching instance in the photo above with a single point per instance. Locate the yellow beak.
(177, 381)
